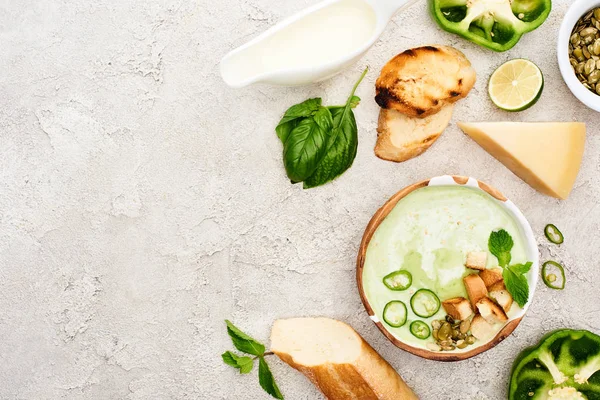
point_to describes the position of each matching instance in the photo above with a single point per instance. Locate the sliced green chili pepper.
(497, 24)
(553, 234)
(564, 365)
(394, 313)
(425, 303)
(398, 280)
(420, 329)
(549, 277)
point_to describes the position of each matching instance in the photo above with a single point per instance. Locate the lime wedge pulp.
(516, 85)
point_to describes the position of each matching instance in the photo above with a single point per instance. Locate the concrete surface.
(142, 202)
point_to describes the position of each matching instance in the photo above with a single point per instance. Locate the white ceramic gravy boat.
(339, 31)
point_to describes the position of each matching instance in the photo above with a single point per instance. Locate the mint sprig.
(500, 245)
(244, 364)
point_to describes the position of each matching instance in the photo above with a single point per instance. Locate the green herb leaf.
(521, 268)
(354, 102)
(306, 145)
(266, 380)
(243, 342)
(516, 284)
(244, 364)
(342, 145)
(500, 245)
(341, 154)
(293, 116)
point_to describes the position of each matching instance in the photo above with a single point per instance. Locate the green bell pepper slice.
(565, 363)
(495, 24)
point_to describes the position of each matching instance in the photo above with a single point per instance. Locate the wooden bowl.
(532, 254)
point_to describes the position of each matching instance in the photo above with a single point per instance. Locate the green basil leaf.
(244, 364)
(243, 342)
(294, 115)
(306, 145)
(266, 380)
(517, 285)
(341, 153)
(354, 102)
(500, 245)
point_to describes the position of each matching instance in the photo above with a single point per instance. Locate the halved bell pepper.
(495, 24)
(564, 365)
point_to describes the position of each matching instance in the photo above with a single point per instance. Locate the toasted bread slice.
(458, 308)
(420, 81)
(337, 360)
(476, 260)
(491, 276)
(400, 137)
(499, 293)
(475, 289)
(480, 328)
(492, 312)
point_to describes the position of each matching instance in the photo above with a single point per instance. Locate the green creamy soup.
(429, 233)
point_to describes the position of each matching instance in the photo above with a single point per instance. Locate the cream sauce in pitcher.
(312, 45)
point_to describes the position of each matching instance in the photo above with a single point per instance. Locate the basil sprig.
(319, 143)
(244, 364)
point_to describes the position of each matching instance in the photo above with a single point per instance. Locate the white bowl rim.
(576, 11)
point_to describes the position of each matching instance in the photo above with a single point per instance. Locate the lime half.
(516, 85)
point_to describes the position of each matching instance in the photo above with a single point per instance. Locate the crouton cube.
(492, 312)
(480, 328)
(476, 260)
(491, 276)
(499, 293)
(475, 289)
(458, 308)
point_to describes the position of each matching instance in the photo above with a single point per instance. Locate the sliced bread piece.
(491, 276)
(492, 312)
(475, 289)
(480, 328)
(499, 293)
(337, 360)
(420, 81)
(458, 308)
(476, 260)
(401, 137)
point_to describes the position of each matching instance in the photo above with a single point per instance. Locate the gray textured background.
(142, 202)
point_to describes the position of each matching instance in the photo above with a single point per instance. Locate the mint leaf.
(516, 284)
(243, 342)
(294, 115)
(521, 268)
(244, 364)
(500, 245)
(266, 380)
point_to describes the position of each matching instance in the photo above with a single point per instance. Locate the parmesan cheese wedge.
(545, 155)
(337, 360)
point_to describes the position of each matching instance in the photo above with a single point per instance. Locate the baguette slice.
(337, 360)
(401, 137)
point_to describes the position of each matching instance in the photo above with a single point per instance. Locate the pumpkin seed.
(445, 331)
(596, 47)
(465, 326)
(584, 50)
(590, 66)
(471, 339)
(434, 346)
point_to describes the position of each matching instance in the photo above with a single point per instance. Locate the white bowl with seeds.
(579, 48)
